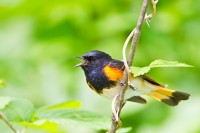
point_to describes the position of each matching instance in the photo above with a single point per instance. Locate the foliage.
(23, 112)
(17, 109)
(40, 38)
(137, 71)
(2, 83)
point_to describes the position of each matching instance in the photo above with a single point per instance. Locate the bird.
(104, 74)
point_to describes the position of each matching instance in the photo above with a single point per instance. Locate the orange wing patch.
(113, 74)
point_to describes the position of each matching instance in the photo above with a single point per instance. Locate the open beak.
(82, 63)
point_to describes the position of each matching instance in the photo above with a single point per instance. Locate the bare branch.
(124, 83)
(137, 32)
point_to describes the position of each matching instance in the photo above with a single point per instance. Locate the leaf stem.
(7, 122)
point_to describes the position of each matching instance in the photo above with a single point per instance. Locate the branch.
(119, 100)
(7, 122)
(137, 32)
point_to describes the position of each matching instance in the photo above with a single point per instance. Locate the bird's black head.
(93, 60)
(93, 65)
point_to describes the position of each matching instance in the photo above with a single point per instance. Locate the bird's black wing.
(117, 64)
(150, 80)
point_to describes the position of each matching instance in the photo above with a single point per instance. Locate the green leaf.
(4, 101)
(2, 83)
(16, 109)
(124, 130)
(164, 63)
(75, 117)
(73, 104)
(42, 124)
(137, 71)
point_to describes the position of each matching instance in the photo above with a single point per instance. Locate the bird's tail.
(168, 96)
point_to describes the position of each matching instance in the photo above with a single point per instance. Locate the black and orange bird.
(103, 75)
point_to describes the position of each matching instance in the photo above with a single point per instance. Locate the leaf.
(137, 71)
(124, 130)
(42, 124)
(75, 117)
(73, 104)
(4, 101)
(16, 109)
(164, 63)
(2, 83)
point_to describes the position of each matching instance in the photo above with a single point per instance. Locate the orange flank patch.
(113, 74)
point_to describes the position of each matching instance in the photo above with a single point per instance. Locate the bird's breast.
(97, 81)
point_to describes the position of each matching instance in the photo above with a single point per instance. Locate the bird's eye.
(92, 58)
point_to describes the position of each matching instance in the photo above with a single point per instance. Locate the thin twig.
(147, 18)
(7, 122)
(136, 33)
(113, 107)
(124, 49)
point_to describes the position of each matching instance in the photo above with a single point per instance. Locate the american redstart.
(103, 75)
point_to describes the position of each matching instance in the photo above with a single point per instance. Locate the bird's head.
(93, 59)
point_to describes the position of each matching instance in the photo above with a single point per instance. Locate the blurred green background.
(39, 40)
